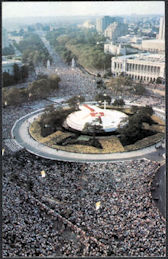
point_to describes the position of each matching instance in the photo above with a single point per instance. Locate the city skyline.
(44, 9)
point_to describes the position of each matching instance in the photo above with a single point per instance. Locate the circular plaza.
(23, 134)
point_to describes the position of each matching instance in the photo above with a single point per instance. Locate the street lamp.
(105, 102)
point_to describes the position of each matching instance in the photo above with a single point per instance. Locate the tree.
(42, 76)
(146, 110)
(102, 97)
(8, 51)
(39, 88)
(14, 96)
(31, 67)
(159, 80)
(21, 32)
(119, 102)
(7, 79)
(52, 119)
(134, 108)
(17, 73)
(30, 28)
(139, 89)
(24, 72)
(94, 127)
(100, 84)
(133, 130)
(75, 100)
(53, 81)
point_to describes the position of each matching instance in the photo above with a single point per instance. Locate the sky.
(69, 8)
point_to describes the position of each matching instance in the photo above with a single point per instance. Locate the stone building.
(103, 22)
(155, 46)
(114, 49)
(115, 30)
(146, 67)
(5, 39)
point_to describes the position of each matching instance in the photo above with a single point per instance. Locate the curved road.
(20, 132)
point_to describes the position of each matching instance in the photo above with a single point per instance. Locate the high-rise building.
(156, 45)
(115, 30)
(5, 40)
(161, 35)
(103, 22)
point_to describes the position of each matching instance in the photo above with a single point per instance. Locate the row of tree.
(40, 88)
(123, 84)
(8, 51)
(33, 50)
(19, 75)
(133, 130)
(83, 44)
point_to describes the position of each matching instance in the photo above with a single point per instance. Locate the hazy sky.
(61, 8)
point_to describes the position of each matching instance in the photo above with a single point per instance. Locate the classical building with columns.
(146, 67)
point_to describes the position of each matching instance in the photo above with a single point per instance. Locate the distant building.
(15, 38)
(52, 28)
(161, 35)
(87, 25)
(5, 39)
(146, 67)
(119, 49)
(156, 46)
(130, 39)
(125, 39)
(7, 65)
(114, 49)
(115, 30)
(103, 22)
(136, 40)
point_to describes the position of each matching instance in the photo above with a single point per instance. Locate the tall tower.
(162, 29)
(5, 40)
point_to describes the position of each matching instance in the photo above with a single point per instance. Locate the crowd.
(56, 215)
(126, 223)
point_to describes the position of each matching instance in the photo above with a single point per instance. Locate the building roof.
(11, 62)
(160, 58)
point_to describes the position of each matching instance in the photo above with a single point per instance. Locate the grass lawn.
(157, 119)
(110, 144)
(151, 140)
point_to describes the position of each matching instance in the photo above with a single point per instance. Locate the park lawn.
(157, 128)
(146, 142)
(111, 145)
(157, 119)
(35, 131)
(83, 149)
(55, 137)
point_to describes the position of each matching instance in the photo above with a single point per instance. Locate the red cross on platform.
(93, 112)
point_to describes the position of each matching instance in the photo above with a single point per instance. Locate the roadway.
(20, 132)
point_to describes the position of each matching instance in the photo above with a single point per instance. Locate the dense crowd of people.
(56, 215)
